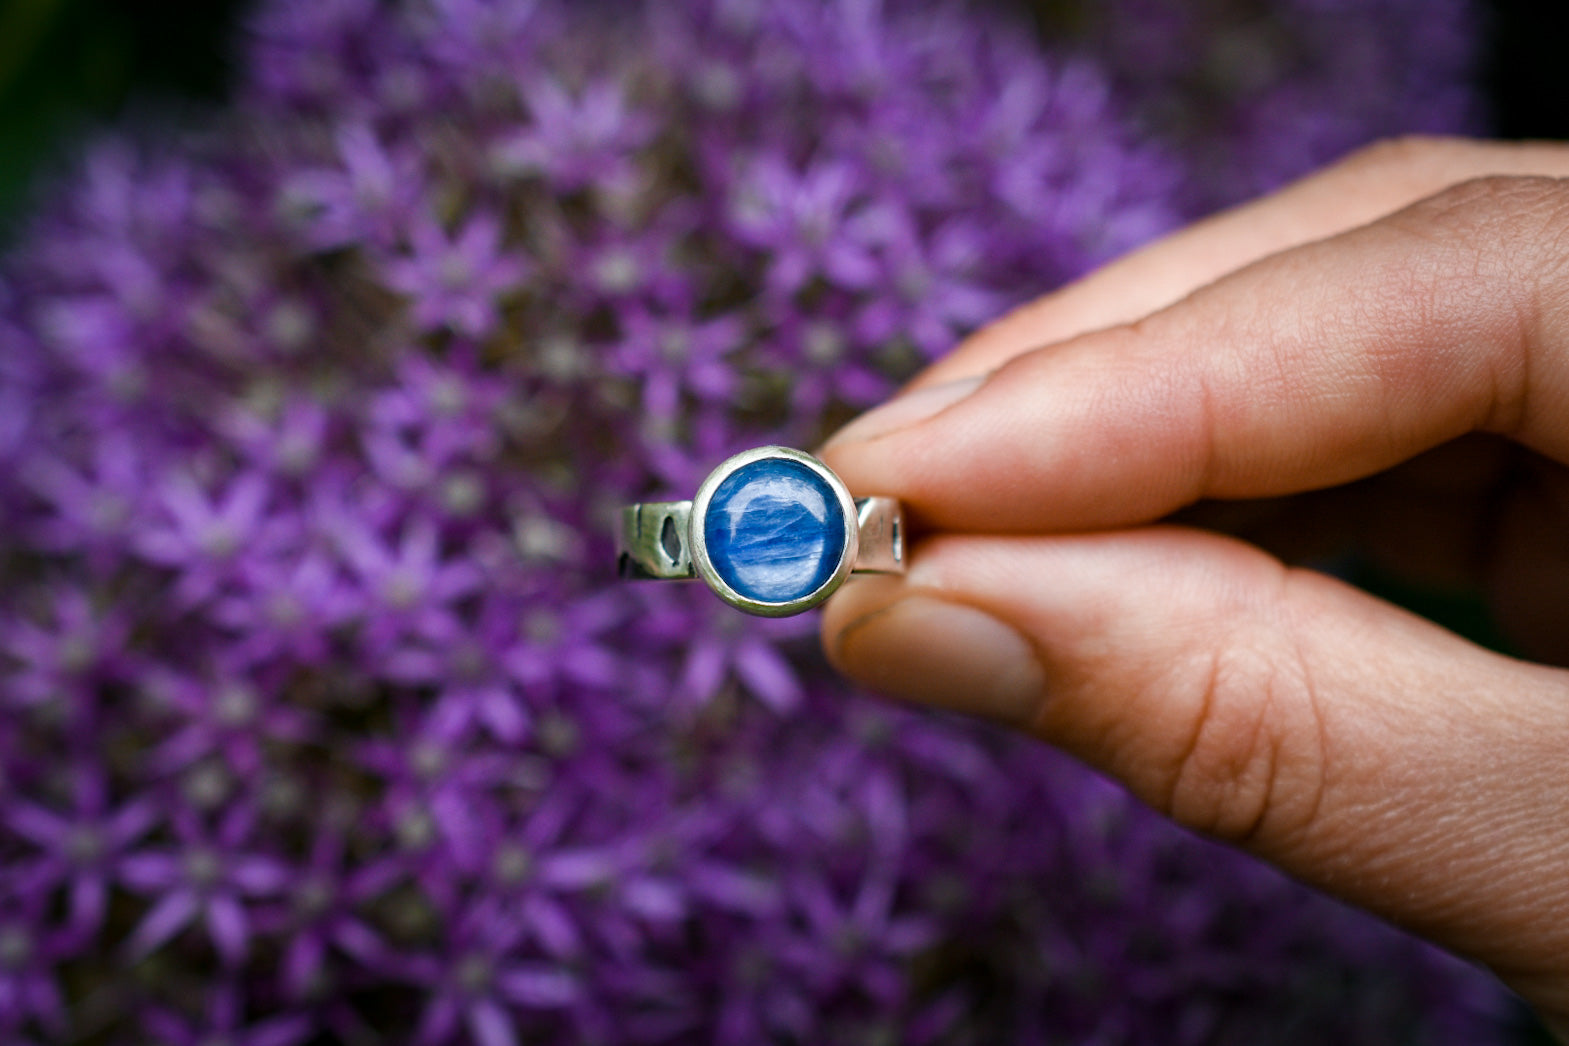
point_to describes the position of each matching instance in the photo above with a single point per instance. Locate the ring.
(772, 531)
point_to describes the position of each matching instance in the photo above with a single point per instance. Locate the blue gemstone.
(774, 530)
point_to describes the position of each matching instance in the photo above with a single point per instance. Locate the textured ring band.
(772, 531)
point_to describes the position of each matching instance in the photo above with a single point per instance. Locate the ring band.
(772, 531)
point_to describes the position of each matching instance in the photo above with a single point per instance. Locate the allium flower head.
(322, 718)
(1254, 94)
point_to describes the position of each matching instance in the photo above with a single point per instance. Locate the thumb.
(1362, 749)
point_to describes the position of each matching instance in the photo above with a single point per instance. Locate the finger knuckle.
(1515, 227)
(1502, 249)
(1251, 764)
(1494, 202)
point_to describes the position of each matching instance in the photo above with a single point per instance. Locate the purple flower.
(364, 199)
(724, 649)
(211, 877)
(287, 441)
(568, 645)
(575, 139)
(30, 993)
(806, 223)
(406, 585)
(1271, 97)
(913, 266)
(324, 717)
(79, 850)
(202, 535)
(434, 425)
(91, 506)
(455, 283)
(679, 355)
(469, 667)
(432, 794)
(57, 661)
(634, 268)
(288, 608)
(225, 716)
(827, 361)
(325, 910)
(478, 982)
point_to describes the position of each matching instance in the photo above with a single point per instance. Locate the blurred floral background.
(332, 332)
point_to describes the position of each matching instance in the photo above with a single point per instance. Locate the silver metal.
(664, 540)
(881, 524)
(654, 543)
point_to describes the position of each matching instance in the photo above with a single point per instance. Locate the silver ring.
(772, 531)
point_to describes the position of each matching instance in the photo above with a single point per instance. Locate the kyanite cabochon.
(775, 531)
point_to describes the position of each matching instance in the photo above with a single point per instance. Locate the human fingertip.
(928, 650)
(904, 411)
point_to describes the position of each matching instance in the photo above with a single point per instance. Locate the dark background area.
(66, 65)
(1526, 76)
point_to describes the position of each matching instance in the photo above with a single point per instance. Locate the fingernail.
(932, 652)
(904, 411)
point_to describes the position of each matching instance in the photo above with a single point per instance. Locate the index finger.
(1365, 186)
(1309, 368)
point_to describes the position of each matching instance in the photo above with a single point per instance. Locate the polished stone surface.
(774, 530)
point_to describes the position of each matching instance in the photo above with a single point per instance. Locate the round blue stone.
(774, 530)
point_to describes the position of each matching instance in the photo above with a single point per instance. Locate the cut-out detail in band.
(670, 540)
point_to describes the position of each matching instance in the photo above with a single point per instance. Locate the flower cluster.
(321, 717)
(1253, 94)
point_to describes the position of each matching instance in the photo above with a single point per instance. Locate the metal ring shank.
(652, 543)
(882, 536)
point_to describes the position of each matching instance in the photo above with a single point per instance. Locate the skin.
(1113, 488)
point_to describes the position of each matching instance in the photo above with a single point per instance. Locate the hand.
(1376, 357)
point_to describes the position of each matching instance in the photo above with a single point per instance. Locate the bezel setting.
(697, 539)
